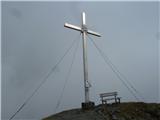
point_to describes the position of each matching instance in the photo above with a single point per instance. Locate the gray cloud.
(34, 39)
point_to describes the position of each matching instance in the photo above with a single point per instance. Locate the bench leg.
(116, 100)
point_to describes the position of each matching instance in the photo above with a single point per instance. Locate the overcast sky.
(34, 39)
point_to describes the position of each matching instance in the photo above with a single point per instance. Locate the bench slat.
(109, 99)
(108, 94)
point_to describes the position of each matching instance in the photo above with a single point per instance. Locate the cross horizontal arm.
(73, 27)
(80, 29)
(93, 33)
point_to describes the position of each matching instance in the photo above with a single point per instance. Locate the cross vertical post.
(85, 64)
(84, 30)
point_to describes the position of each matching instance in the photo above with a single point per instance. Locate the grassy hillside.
(123, 111)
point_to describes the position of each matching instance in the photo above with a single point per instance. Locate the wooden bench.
(109, 96)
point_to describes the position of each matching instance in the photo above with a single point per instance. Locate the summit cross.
(84, 30)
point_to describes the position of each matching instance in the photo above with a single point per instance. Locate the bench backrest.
(108, 94)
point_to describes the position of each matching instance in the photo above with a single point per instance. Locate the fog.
(34, 39)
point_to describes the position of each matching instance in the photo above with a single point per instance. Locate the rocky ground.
(122, 111)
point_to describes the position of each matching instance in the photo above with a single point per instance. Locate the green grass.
(123, 111)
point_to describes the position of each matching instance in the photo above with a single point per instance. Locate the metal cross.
(83, 29)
